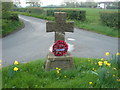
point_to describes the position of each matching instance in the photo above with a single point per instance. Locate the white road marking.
(71, 39)
(70, 47)
(25, 19)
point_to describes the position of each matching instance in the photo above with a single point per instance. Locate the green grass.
(92, 23)
(32, 75)
(9, 26)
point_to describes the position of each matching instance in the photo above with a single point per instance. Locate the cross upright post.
(60, 26)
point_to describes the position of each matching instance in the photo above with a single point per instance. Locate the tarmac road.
(33, 42)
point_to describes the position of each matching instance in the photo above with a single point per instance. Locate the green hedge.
(71, 14)
(20, 9)
(10, 16)
(111, 19)
(30, 10)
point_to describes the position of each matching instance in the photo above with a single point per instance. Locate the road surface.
(33, 42)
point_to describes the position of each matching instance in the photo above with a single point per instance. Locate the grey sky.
(57, 2)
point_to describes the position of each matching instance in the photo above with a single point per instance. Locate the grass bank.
(86, 74)
(92, 24)
(10, 26)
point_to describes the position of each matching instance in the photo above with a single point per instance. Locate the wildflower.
(15, 69)
(58, 71)
(88, 60)
(102, 58)
(16, 62)
(90, 82)
(105, 62)
(117, 53)
(93, 69)
(107, 53)
(57, 68)
(100, 63)
(65, 76)
(0, 61)
(113, 75)
(0, 64)
(108, 64)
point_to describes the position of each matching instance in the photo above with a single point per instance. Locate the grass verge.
(86, 74)
(9, 26)
(87, 25)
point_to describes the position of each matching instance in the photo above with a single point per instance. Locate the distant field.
(92, 23)
(92, 14)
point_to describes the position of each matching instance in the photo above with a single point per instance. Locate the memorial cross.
(60, 26)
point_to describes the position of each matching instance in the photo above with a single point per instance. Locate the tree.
(7, 6)
(34, 3)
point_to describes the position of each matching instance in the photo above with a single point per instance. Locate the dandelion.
(93, 69)
(88, 60)
(113, 75)
(15, 69)
(57, 68)
(0, 61)
(117, 54)
(102, 59)
(108, 64)
(107, 53)
(0, 64)
(16, 63)
(105, 62)
(100, 63)
(90, 82)
(58, 71)
(65, 76)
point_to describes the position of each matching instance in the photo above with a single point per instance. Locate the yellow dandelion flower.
(57, 68)
(90, 82)
(0, 64)
(100, 63)
(88, 60)
(105, 62)
(58, 71)
(65, 76)
(117, 53)
(93, 69)
(107, 53)
(0, 61)
(113, 75)
(16, 63)
(108, 64)
(102, 58)
(15, 69)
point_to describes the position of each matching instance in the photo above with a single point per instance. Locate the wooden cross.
(60, 26)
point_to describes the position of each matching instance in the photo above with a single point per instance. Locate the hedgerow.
(71, 13)
(110, 19)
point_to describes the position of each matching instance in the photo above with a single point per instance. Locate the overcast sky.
(58, 2)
